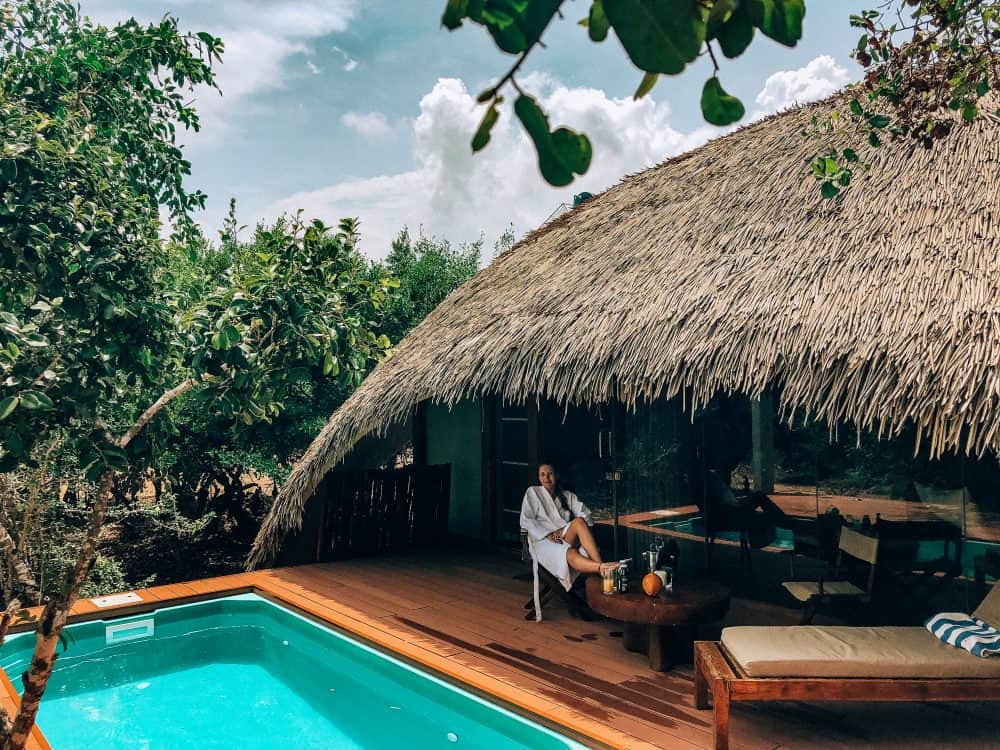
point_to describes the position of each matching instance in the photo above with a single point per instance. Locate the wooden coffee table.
(662, 625)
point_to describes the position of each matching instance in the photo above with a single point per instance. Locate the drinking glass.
(608, 581)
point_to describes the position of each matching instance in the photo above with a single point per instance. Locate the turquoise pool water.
(242, 673)
(695, 525)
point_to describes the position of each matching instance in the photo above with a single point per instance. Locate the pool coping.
(574, 725)
(11, 700)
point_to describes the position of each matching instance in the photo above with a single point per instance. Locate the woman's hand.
(555, 536)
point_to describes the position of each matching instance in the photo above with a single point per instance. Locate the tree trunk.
(53, 620)
(56, 612)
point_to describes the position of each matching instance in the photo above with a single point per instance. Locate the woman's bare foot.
(608, 567)
(614, 564)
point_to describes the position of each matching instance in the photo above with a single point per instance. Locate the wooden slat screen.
(358, 513)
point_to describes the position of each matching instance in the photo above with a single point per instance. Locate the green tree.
(921, 58)
(221, 472)
(427, 270)
(92, 346)
(220, 465)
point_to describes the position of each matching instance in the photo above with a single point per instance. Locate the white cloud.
(370, 125)
(312, 67)
(349, 62)
(456, 194)
(821, 77)
(259, 36)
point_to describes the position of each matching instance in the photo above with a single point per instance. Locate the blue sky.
(366, 108)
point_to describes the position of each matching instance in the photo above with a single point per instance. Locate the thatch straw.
(723, 269)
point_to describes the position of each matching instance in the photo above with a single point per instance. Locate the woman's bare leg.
(581, 563)
(578, 534)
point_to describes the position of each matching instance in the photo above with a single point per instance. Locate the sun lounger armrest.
(714, 664)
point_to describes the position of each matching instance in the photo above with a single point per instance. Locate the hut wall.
(454, 437)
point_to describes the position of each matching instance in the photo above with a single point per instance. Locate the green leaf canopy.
(659, 36)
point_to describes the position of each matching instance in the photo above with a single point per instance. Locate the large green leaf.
(454, 12)
(482, 136)
(516, 25)
(598, 24)
(718, 106)
(36, 400)
(779, 19)
(537, 125)
(560, 154)
(660, 36)
(7, 406)
(731, 25)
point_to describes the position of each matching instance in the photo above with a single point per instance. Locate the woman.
(558, 527)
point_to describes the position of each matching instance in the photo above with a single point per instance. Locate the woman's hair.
(558, 492)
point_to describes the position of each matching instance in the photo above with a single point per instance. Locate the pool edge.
(577, 727)
(36, 740)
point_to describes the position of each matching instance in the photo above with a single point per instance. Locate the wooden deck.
(460, 614)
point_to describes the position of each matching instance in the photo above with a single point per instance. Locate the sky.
(365, 108)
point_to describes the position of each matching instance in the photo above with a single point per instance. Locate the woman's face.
(547, 477)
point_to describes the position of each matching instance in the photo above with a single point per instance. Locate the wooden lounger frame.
(717, 672)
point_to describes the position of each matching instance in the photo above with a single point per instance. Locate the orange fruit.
(652, 584)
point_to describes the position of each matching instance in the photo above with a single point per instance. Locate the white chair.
(545, 587)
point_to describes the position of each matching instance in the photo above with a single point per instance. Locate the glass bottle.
(623, 578)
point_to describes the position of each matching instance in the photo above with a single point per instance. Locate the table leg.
(660, 649)
(634, 637)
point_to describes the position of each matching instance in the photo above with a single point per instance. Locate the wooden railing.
(357, 513)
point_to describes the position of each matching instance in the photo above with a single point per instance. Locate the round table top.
(690, 603)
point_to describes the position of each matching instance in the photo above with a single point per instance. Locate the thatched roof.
(723, 269)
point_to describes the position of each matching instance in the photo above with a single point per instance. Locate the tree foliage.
(924, 61)
(921, 58)
(93, 345)
(88, 118)
(660, 37)
(427, 271)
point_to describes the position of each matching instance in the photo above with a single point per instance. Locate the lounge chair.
(812, 594)
(812, 663)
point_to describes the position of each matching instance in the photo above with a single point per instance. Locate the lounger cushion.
(989, 609)
(816, 651)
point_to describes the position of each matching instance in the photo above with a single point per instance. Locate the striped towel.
(964, 631)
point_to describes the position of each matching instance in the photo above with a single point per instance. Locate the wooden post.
(488, 483)
(700, 680)
(720, 713)
(420, 434)
(660, 647)
(634, 636)
(762, 416)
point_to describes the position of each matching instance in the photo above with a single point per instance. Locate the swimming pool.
(242, 672)
(694, 525)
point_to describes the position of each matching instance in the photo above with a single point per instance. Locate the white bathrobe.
(541, 514)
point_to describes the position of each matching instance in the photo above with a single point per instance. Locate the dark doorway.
(581, 441)
(517, 451)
